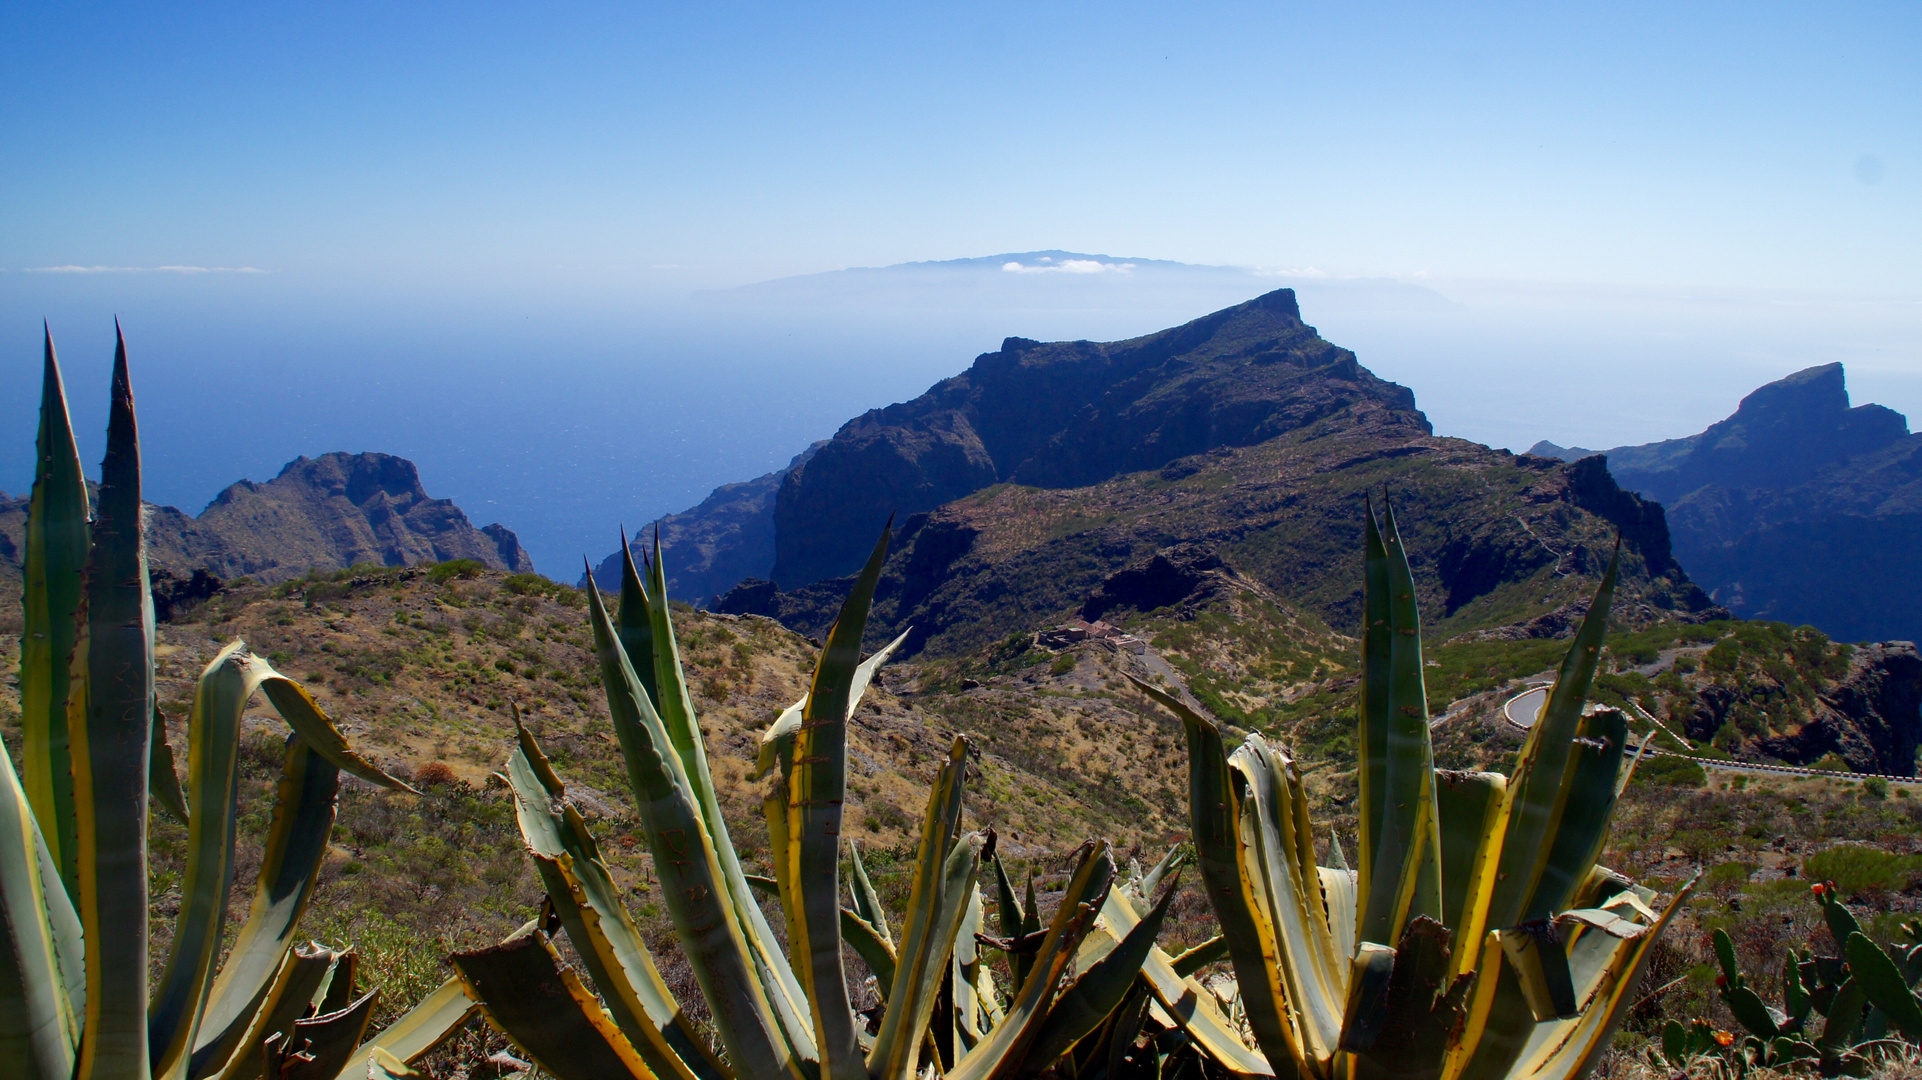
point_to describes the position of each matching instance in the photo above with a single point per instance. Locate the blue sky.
(467, 144)
(470, 233)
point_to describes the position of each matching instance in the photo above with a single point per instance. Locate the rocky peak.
(1069, 414)
(1779, 436)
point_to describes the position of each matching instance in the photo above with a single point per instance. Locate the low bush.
(1857, 870)
(456, 568)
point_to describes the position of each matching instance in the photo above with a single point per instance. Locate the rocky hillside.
(1797, 508)
(1051, 480)
(326, 513)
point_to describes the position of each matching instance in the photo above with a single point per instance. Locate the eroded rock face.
(1066, 415)
(1872, 719)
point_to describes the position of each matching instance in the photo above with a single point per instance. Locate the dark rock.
(174, 596)
(1169, 577)
(1872, 719)
(1066, 415)
(755, 596)
(1797, 508)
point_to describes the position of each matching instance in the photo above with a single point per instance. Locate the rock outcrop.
(1798, 508)
(325, 513)
(1872, 718)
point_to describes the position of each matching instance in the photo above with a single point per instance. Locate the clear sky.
(472, 234)
(447, 145)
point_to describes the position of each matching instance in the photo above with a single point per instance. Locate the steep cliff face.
(1797, 508)
(1501, 546)
(713, 547)
(325, 513)
(1068, 415)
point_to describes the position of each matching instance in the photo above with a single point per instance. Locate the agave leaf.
(1365, 1012)
(692, 880)
(1588, 803)
(302, 713)
(1471, 808)
(1283, 876)
(1097, 992)
(382, 1065)
(537, 1001)
(57, 539)
(1185, 1002)
(1210, 951)
(431, 1022)
(589, 905)
(1215, 812)
(1538, 789)
(288, 997)
(943, 872)
(867, 902)
(39, 1029)
(634, 624)
(1003, 1052)
(1377, 693)
(816, 785)
(1540, 962)
(1401, 878)
(1566, 1049)
(676, 710)
(1013, 921)
(319, 1046)
(213, 733)
(304, 807)
(164, 780)
(110, 756)
(874, 950)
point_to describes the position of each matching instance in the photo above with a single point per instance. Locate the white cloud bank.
(1069, 266)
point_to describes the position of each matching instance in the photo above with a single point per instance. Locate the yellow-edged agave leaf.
(57, 540)
(39, 1030)
(289, 997)
(302, 713)
(110, 755)
(1095, 993)
(676, 709)
(305, 803)
(944, 874)
(1537, 791)
(319, 1046)
(1215, 815)
(431, 1022)
(1005, 1051)
(1185, 1002)
(213, 759)
(693, 882)
(534, 999)
(816, 784)
(1472, 812)
(1401, 860)
(589, 905)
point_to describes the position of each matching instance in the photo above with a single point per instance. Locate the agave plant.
(74, 983)
(1475, 937)
(1864, 994)
(779, 1014)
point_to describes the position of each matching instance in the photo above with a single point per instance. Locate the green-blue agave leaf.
(534, 999)
(693, 882)
(39, 1028)
(305, 803)
(1538, 788)
(1098, 991)
(815, 787)
(110, 756)
(57, 540)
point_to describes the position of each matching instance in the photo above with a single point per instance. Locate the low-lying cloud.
(1068, 266)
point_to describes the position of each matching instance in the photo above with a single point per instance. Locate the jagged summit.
(1780, 435)
(325, 513)
(1798, 507)
(1069, 414)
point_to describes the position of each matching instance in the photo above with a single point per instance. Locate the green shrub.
(1856, 869)
(456, 568)
(1062, 664)
(1875, 788)
(1669, 772)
